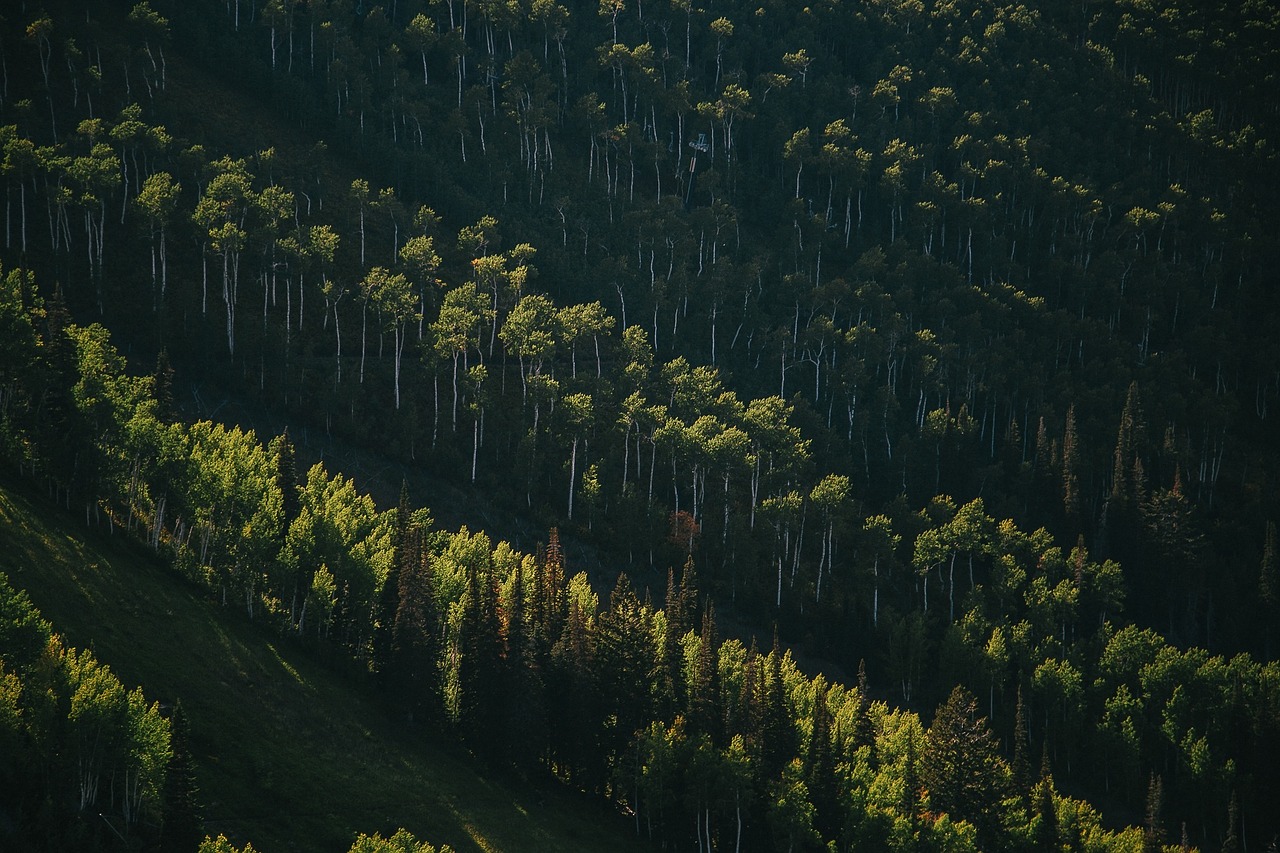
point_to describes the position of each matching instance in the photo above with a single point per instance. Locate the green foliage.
(66, 720)
(976, 243)
(401, 842)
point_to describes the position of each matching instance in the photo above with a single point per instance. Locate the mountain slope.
(288, 754)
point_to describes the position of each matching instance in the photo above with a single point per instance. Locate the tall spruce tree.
(181, 830)
(962, 769)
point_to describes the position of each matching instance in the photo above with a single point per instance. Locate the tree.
(402, 841)
(421, 262)
(1269, 578)
(457, 329)
(1153, 833)
(831, 492)
(158, 200)
(820, 766)
(221, 214)
(625, 667)
(1071, 469)
(181, 828)
(578, 411)
(790, 811)
(1045, 833)
(883, 544)
(576, 322)
(530, 331)
(961, 766)
(394, 297)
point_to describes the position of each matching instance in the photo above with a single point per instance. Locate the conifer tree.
(819, 766)
(548, 607)
(1269, 586)
(1071, 469)
(1020, 766)
(704, 682)
(777, 730)
(1153, 826)
(961, 768)
(863, 729)
(162, 389)
(1231, 844)
(1045, 835)
(180, 832)
(482, 669)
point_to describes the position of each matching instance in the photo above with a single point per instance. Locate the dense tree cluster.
(84, 761)
(703, 739)
(958, 309)
(402, 841)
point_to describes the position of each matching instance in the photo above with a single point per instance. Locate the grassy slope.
(290, 756)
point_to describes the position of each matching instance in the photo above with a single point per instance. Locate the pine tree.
(1020, 766)
(911, 783)
(819, 766)
(1129, 447)
(162, 389)
(1153, 827)
(389, 598)
(287, 478)
(625, 666)
(525, 729)
(704, 682)
(1045, 836)
(673, 691)
(777, 730)
(548, 607)
(181, 829)
(1231, 844)
(863, 729)
(483, 682)
(574, 703)
(961, 767)
(1269, 584)
(1071, 469)
(414, 662)
(1269, 576)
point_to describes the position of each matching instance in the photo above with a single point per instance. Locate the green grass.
(290, 755)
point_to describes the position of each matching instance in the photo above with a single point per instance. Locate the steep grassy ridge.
(290, 755)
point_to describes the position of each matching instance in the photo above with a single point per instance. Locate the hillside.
(934, 341)
(290, 754)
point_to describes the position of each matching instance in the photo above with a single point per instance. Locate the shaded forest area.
(912, 289)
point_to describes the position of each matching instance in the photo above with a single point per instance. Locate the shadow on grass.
(290, 754)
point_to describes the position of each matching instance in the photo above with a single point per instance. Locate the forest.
(796, 428)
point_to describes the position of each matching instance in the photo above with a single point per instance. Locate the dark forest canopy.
(934, 335)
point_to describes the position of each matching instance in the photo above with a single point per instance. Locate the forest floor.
(290, 752)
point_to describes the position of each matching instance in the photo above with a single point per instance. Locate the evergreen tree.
(414, 663)
(1020, 766)
(525, 729)
(625, 667)
(1153, 826)
(1071, 469)
(1231, 844)
(180, 832)
(705, 709)
(1269, 585)
(389, 596)
(863, 729)
(162, 389)
(777, 728)
(1045, 836)
(820, 767)
(961, 768)
(482, 677)
(910, 804)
